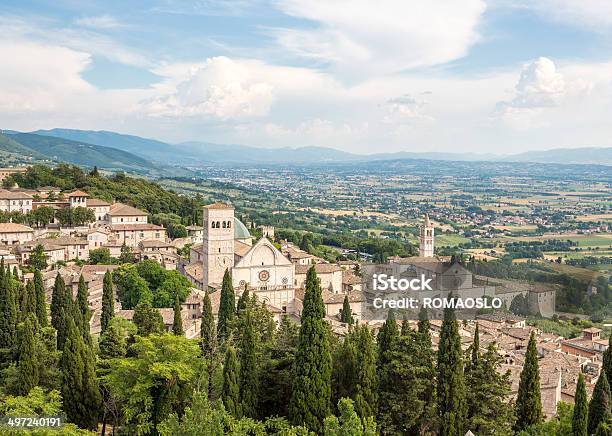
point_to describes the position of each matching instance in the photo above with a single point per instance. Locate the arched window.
(224, 224)
(229, 224)
(212, 223)
(218, 225)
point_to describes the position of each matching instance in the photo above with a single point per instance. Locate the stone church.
(262, 268)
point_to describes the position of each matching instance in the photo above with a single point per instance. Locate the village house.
(15, 234)
(15, 201)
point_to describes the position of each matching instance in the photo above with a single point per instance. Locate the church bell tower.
(426, 239)
(218, 242)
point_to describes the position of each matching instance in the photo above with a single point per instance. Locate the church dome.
(240, 230)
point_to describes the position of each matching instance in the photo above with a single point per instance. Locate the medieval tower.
(218, 242)
(426, 239)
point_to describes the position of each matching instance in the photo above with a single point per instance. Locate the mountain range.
(128, 152)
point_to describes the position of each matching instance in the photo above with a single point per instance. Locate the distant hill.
(583, 155)
(79, 153)
(201, 153)
(9, 145)
(150, 149)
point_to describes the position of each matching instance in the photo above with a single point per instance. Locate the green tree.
(607, 360)
(366, 388)
(126, 255)
(154, 381)
(347, 315)
(277, 369)
(112, 342)
(600, 406)
(148, 320)
(29, 300)
(406, 374)
(227, 306)
(249, 368)
(60, 298)
(82, 306)
(490, 411)
(243, 300)
(41, 306)
(100, 256)
(349, 422)
(27, 356)
(131, 287)
(310, 400)
(80, 390)
(580, 419)
(452, 407)
(38, 258)
(231, 388)
(108, 301)
(177, 322)
(8, 313)
(528, 401)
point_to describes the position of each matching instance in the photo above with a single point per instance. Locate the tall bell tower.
(218, 242)
(426, 239)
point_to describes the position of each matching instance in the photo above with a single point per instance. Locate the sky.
(497, 76)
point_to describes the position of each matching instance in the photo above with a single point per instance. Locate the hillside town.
(275, 271)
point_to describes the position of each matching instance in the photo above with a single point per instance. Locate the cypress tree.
(59, 299)
(249, 376)
(607, 360)
(41, 306)
(62, 327)
(243, 300)
(366, 389)
(8, 314)
(600, 406)
(208, 332)
(387, 335)
(452, 407)
(310, 400)
(227, 306)
(475, 347)
(27, 358)
(112, 343)
(29, 301)
(81, 307)
(148, 319)
(347, 315)
(424, 325)
(231, 391)
(581, 409)
(177, 322)
(80, 392)
(108, 301)
(528, 401)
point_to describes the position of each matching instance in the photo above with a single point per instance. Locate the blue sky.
(471, 75)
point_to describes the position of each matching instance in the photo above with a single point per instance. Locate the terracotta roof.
(13, 195)
(120, 209)
(240, 248)
(97, 202)
(152, 243)
(78, 193)
(127, 227)
(320, 268)
(218, 205)
(14, 228)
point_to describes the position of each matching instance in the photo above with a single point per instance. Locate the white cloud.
(406, 109)
(221, 88)
(382, 36)
(539, 86)
(232, 89)
(590, 14)
(98, 22)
